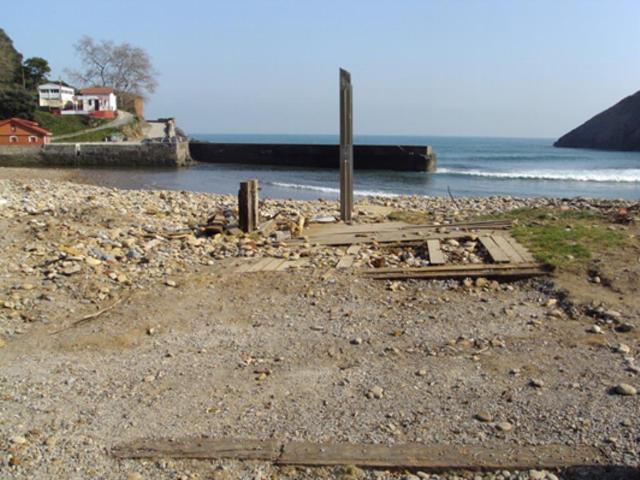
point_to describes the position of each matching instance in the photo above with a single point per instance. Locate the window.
(32, 139)
(13, 139)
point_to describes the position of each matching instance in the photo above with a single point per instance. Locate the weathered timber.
(249, 216)
(496, 253)
(436, 257)
(434, 457)
(346, 261)
(467, 267)
(440, 456)
(200, 448)
(381, 237)
(346, 147)
(489, 272)
(506, 247)
(524, 253)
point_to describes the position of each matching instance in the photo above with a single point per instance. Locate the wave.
(627, 175)
(315, 188)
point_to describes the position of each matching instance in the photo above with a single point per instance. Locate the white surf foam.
(336, 191)
(626, 175)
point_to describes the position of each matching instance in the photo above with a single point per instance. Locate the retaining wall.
(97, 155)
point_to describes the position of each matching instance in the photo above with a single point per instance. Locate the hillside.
(10, 60)
(617, 128)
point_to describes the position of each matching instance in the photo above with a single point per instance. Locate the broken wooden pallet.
(496, 456)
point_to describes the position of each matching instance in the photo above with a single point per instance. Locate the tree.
(35, 70)
(122, 67)
(16, 102)
(10, 61)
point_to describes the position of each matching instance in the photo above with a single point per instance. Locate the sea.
(467, 166)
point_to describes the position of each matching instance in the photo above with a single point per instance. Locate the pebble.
(536, 383)
(622, 348)
(375, 392)
(484, 417)
(624, 389)
(170, 283)
(356, 341)
(504, 426)
(594, 329)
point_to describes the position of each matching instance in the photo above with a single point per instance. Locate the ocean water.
(467, 166)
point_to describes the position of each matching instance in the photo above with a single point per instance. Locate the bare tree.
(122, 67)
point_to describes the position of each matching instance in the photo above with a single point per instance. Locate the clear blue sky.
(530, 68)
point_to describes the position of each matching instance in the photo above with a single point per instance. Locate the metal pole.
(346, 146)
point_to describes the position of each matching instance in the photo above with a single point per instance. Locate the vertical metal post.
(346, 147)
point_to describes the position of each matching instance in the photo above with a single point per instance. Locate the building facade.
(54, 95)
(19, 132)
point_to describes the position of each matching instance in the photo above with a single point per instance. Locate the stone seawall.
(365, 157)
(97, 155)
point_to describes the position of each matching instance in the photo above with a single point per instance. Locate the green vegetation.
(19, 80)
(563, 238)
(62, 125)
(97, 136)
(408, 216)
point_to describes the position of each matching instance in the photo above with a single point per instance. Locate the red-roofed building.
(19, 132)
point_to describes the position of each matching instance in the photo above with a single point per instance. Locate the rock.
(375, 392)
(170, 283)
(356, 341)
(552, 302)
(624, 389)
(594, 329)
(421, 373)
(504, 426)
(481, 282)
(72, 269)
(484, 416)
(18, 440)
(134, 476)
(536, 383)
(622, 348)
(537, 474)
(624, 328)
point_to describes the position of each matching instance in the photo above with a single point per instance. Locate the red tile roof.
(27, 124)
(96, 91)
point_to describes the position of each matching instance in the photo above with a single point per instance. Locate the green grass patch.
(63, 125)
(97, 136)
(563, 238)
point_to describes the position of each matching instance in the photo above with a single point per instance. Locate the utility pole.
(346, 146)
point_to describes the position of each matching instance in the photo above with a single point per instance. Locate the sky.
(500, 68)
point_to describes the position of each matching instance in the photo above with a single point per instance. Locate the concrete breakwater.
(97, 155)
(369, 157)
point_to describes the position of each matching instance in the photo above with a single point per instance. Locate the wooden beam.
(497, 455)
(506, 247)
(249, 215)
(445, 268)
(440, 456)
(200, 448)
(346, 147)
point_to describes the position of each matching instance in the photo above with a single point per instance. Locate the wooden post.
(248, 206)
(346, 147)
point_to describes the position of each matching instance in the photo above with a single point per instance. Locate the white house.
(97, 102)
(55, 95)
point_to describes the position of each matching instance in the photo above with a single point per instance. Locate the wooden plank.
(383, 237)
(495, 252)
(503, 455)
(238, 449)
(436, 257)
(293, 264)
(260, 264)
(273, 265)
(488, 273)
(506, 247)
(446, 268)
(524, 253)
(247, 264)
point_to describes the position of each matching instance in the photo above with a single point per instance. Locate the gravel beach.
(117, 322)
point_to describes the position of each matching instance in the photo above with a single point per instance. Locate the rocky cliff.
(617, 128)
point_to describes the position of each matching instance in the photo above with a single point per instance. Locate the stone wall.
(365, 157)
(97, 155)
